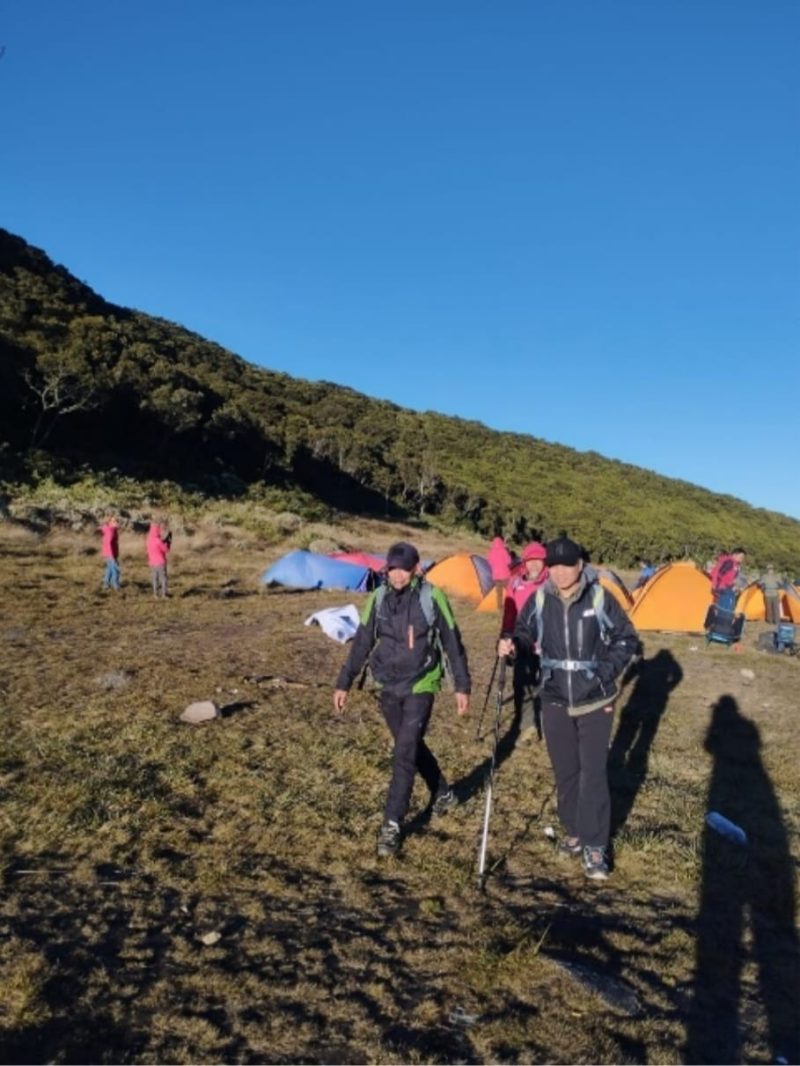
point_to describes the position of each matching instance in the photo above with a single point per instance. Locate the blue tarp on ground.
(307, 570)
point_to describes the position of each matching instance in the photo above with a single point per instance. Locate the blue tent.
(307, 570)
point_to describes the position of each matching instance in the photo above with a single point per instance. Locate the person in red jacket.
(110, 552)
(158, 546)
(529, 575)
(725, 572)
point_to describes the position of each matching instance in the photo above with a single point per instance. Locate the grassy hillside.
(84, 383)
(175, 893)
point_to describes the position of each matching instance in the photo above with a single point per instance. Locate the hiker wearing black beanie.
(407, 630)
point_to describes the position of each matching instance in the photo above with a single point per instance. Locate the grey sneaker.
(595, 863)
(569, 847)
(445, 802)
(388, 839)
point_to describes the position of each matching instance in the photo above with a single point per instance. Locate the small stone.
(202, 711)
(209, 939)
(748, 675)
(115, 679)
(459, 1016)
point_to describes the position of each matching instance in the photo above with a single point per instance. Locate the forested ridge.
(85, 382)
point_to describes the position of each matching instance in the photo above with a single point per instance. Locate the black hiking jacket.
(394, 636)
(570, 631)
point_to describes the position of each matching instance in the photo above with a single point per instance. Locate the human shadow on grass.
(639, 720)
(747, 903)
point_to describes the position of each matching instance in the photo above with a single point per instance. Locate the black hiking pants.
(407, 717)
(578, 750)
(526, 677)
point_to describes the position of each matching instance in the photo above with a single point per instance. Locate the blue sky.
(578, 220)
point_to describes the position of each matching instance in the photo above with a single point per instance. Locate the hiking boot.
(388, 839)
(569, 847)
(595, 863)
(445, 802)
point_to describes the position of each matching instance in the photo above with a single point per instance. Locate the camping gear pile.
(780, 640)
(723, 625)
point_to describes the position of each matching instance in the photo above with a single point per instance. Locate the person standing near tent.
(585, 642)
(158, 545)
(771, 585)
(525, 579)
(725, 572)
(645, 573)
(406, 627)
(499, 559)
(110, 553)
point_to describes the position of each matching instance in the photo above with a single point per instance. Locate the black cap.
(402, 556)
(563, 552)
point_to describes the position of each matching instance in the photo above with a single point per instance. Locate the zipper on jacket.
(567, 649)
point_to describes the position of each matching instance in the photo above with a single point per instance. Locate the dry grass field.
(177, 893)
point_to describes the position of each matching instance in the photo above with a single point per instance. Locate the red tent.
(373, 562)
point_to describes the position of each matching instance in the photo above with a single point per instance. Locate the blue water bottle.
(722, 825)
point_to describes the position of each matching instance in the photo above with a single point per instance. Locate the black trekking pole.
(501, 681)
(489, 688)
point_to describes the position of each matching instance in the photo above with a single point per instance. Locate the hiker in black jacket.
(585, 641)
(405, 627)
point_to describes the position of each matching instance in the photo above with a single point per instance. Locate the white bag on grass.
(338, 623)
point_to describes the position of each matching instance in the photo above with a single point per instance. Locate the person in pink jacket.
(526, 578)
(158, 546)
(499, 560)
(110, 552)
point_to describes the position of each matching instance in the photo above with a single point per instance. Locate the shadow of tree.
(470, 784)
(123, 956)
(623, 959)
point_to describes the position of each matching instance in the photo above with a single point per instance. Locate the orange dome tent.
(752, 605)
(791, 602)
(491, 602)
(462, 574)
(614, 584)
(676, 599)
